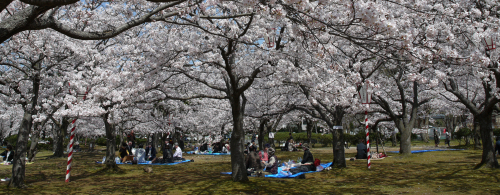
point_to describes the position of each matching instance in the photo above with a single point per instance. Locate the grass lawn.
(446, 172)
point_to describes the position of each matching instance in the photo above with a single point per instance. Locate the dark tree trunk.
(405, 142)
(309, 128)
(488, 158)
(19, 167)
(476, 133)
(60, 133)
(110, 143)
(262, 131)
(338, 140)
(237, 140)
(35, 136)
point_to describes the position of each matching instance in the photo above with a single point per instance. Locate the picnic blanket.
(287, 176)
(192, 152)
(149, 163)
(421, 151)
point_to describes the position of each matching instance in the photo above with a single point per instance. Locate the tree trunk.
(237, 140)
(475, 132)
(425, 125)
(338, 140)
(405, 142)
(110, 143)
(19, 167)
(489, 158)
(262, 130)
(60, 133)
(35, 136)
(309, 128)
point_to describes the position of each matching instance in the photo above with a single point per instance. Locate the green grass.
(448, 172)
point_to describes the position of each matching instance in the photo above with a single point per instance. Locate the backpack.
(317, 162)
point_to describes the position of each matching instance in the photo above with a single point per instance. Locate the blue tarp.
(287, 176)
(421, 151)
(191, 152)
(147, 163)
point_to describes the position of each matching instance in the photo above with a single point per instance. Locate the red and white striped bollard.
(70, 154)
(367, 139)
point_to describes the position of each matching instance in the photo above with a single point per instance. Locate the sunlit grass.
(448, 172)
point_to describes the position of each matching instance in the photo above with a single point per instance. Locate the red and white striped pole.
(70, 154)
(367, 139)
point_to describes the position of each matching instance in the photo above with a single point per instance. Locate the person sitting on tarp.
(272, 164)
(124, 152)
(130, 147)
(307, 163)
(252, 162)
(216, 147)
(204, 147)
(8, 154)
(167, 156)
(362, 150)
(150, 152)
(76, 147)
(263, 154)
(178, 152)
(225, 148)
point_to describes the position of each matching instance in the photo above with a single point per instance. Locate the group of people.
(218, 147)
(437, 136)
(126, 153)
(266, 162)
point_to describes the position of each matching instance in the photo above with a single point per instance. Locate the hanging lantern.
(270, 37)
(490, 43)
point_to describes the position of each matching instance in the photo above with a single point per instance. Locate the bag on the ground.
(317, 162)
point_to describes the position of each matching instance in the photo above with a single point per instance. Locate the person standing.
(361, 150)
(448, 138)
(394, 138)
(131, 138)
(436, 137)
(181, 143)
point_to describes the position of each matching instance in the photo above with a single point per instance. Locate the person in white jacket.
(178, 152)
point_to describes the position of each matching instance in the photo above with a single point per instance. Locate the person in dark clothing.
(204, 147)
(181, 143)
(252, 161)
(123, 152)
(436, 137)
(216, 147)
(497, 146)
(307, 163)
(152, 151)
(254, 136)
(129, 147)
(131, 138)
(272, 164)
(288, 142)
(8, 154)
(361, 150)
(167, 155)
